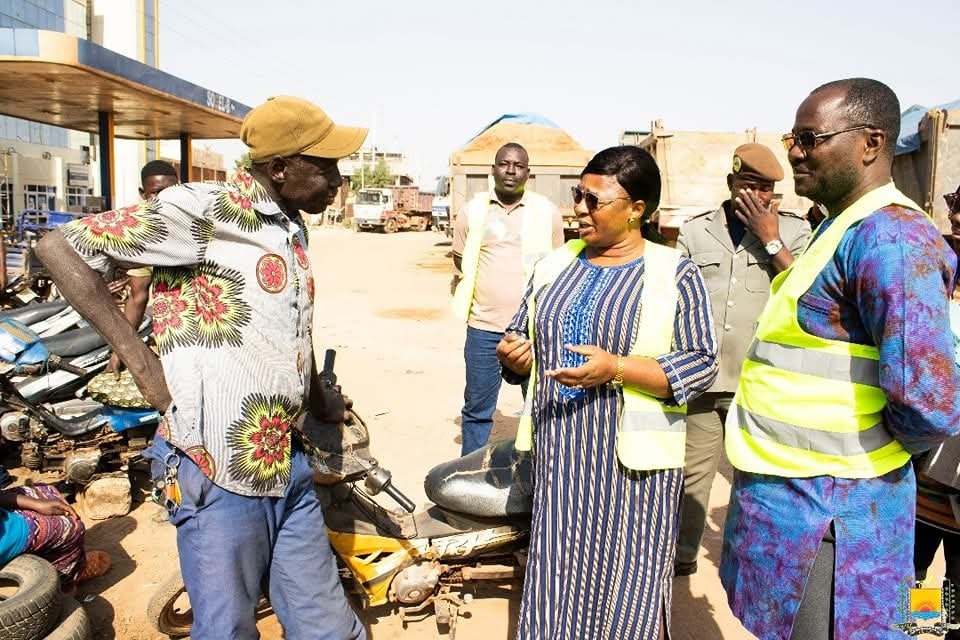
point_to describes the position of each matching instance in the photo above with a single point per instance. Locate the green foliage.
(378, 176)
(243, 162)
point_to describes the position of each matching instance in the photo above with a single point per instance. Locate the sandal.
(98, 563)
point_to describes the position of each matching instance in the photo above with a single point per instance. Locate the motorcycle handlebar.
(329, 358)
(405, 502)
(51, 365)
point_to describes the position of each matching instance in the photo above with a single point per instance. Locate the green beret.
(754, 160)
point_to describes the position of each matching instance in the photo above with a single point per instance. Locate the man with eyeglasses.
(232, 317)
(851, 371)
(496, 241)
(739, 248)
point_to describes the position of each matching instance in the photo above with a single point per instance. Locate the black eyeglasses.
(808, 139)
(593, 202)
(953, 201)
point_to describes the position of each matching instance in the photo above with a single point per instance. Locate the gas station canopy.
(58, 79)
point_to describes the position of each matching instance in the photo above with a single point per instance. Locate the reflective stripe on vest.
(536, 241)
(805, 405)
(850, 443)
(650, 434)
(835, 366)
(653, 421)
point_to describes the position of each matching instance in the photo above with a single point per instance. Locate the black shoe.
(684, 568)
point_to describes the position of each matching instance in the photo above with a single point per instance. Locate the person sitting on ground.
(155, 176)
(38, 520)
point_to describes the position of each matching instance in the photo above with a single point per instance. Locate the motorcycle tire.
(162, 609)
(74, 623)
(34, 608)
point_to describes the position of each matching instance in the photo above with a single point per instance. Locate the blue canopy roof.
(909, 140)
(519, 118)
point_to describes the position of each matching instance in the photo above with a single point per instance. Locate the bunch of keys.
(166, 490)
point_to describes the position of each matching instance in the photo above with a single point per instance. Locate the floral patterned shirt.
(232, 309)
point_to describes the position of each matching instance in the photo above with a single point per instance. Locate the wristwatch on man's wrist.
(773, 247)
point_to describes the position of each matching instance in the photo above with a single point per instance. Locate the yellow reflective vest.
(535, 243)
(805, 405)
(650, 434)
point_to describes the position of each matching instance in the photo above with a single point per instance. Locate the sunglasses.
(808, 139)
(591, 199)
(953, 201)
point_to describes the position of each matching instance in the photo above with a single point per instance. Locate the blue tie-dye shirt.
(888, 285)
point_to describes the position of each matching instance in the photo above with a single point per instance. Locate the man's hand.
(600, 368)
(117, 286)
(115, 365)
(515, 353)
(761, 220)
(328, 405)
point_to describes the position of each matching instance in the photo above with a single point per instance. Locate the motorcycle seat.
(492, 482)
(76, 342)
(35, 312)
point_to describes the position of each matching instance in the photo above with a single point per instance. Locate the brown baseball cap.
(287, 126)
(753, 160)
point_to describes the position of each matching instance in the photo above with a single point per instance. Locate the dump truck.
(556, 160)
(927, 161)
(391, 209)
(441, 207)
(694, 166)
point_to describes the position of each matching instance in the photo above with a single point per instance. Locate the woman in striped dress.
(603, 537)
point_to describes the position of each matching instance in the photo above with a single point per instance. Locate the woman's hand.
(600, 368)
(515, 353)
(46, 507)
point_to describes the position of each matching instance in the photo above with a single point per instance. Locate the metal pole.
(105, 121)
(186, 157)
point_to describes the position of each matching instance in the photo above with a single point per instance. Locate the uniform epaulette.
(791, 214)
(700, 215)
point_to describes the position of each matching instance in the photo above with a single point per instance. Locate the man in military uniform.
(739, 248)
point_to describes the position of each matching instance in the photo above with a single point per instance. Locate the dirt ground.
(382, 303)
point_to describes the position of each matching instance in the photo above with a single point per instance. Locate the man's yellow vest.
(650, 434)
(536, 242)
(808, 406)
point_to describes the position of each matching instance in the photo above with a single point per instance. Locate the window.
(6, 203)
(369, 197)
(39, 196)
(77, 196)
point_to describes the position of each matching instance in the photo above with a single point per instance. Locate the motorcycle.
(476, 528)
(76, 438)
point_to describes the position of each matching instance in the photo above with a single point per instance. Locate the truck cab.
(370, 207)
(441, 207)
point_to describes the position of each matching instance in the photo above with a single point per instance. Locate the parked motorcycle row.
(48, 355)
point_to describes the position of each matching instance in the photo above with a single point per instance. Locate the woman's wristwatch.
(618, 377)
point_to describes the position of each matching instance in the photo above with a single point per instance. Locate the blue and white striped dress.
(603, 539)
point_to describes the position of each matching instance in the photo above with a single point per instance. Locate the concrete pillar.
(186, 157)
(107, 174)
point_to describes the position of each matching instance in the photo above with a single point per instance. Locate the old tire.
(74, 623)
(422, 225)
(34, 608)
(163, 611)
(390, 226)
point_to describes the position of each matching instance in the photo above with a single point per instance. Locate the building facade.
(48, 167)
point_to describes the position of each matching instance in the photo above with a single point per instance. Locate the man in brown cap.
(232, 311)
(739, 248)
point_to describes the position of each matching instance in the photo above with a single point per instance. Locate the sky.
(428, 75)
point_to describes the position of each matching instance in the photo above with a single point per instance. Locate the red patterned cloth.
(56, 539)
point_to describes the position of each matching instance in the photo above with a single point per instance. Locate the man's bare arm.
(88, 294)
